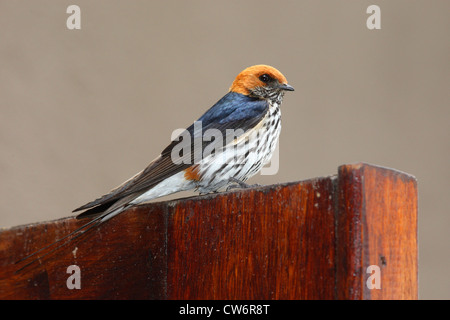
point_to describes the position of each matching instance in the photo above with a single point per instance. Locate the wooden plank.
(123, 259)
(304, 240)
(376, 226)
(270, 243)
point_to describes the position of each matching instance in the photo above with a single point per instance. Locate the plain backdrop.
(83, 110)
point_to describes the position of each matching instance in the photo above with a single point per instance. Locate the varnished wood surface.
(377, 226)
(272, 243)
(304, 240)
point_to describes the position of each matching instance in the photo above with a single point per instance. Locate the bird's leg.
(240, 184)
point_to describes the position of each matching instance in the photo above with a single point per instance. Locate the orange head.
(260, 81)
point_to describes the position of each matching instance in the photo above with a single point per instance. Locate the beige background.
(81, 111)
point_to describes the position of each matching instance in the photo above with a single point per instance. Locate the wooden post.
(322, 238)
(376, 226)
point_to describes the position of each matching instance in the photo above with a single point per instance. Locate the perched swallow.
(248, 119)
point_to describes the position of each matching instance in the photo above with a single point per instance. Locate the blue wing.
(234, 107)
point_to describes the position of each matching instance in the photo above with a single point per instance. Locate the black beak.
(286, 87)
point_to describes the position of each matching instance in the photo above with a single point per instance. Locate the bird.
(245, 124)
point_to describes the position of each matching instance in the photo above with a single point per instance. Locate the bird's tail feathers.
(52, 247)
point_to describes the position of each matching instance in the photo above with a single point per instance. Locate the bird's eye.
(265, 78)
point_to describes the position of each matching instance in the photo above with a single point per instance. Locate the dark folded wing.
(233, 111)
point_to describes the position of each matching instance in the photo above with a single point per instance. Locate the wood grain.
(123, 259)
(271, 243)
(303, 240)
(376, 226)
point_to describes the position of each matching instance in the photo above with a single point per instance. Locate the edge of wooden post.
(376, 228)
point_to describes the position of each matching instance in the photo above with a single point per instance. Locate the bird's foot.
(240, 185)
